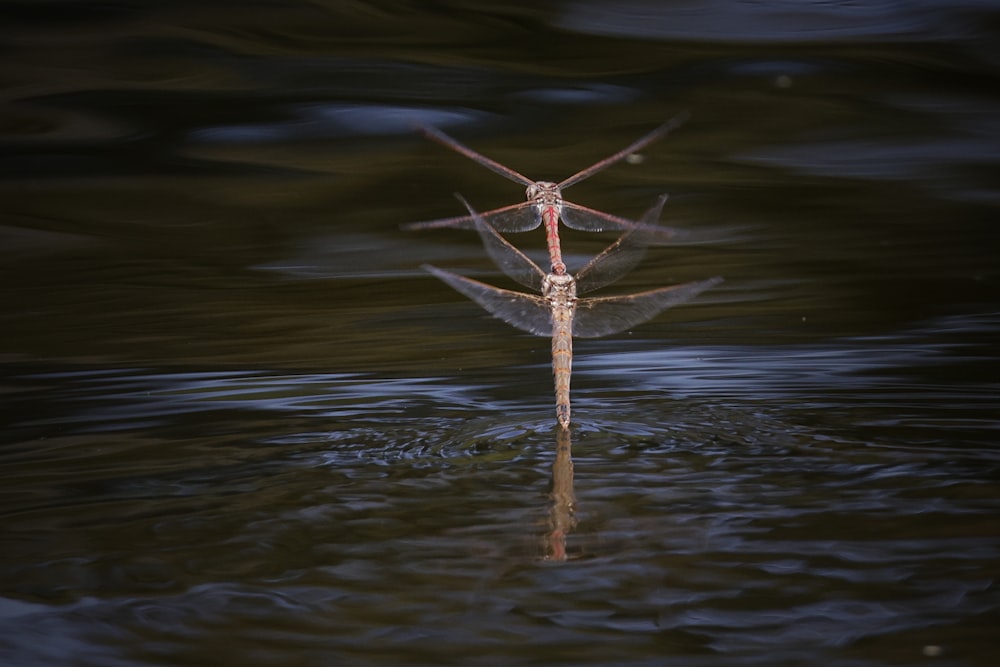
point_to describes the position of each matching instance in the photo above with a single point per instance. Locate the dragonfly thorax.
(544, 192)
(559, 288)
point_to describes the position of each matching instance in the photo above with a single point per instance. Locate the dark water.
(240, 426)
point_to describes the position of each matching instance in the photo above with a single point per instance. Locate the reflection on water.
(562, 514)
(276, 510)
(242, 426)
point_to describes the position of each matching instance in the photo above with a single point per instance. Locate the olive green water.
(241, 426)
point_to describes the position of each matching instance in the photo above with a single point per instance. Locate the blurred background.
(240, 424)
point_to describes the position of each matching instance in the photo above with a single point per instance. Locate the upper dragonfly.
(544, 199)
(558, 312)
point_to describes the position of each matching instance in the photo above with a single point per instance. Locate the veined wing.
(603, 316)
(525, 311)
(587, 219)
(511, 261)
(636, 145)
(521, 217)
(457, 146)
(618, 258)
(505, 171)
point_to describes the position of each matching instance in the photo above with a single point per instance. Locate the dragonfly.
(556, 311)
(545, 204)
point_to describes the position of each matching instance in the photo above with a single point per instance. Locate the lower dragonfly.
(544, 199)
(558, 312)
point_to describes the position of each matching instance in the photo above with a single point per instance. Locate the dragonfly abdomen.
(562, 361)
(550, 216)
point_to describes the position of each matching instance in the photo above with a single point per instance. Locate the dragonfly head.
(543, 192)
(559, 286)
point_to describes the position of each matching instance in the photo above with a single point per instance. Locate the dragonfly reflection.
(557, 311)
(562, 513)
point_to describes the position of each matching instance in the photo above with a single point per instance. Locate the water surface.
(241, 425)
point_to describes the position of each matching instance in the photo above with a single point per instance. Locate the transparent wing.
(457, 146)
(511, 261)
(636, 145)
(603, 316)
(522, 217)
(621, 256)
(525, 311)
(586, 219)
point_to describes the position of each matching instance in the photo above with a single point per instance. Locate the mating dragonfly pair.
(557, 311)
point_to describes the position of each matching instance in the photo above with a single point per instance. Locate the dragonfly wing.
(525, 311)
(511, 261)
(618, 258)
(460, 222)
(614, 262)
(636, 145)
(437, 135)
(586, 219)
(516, 216)
(603, 316)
